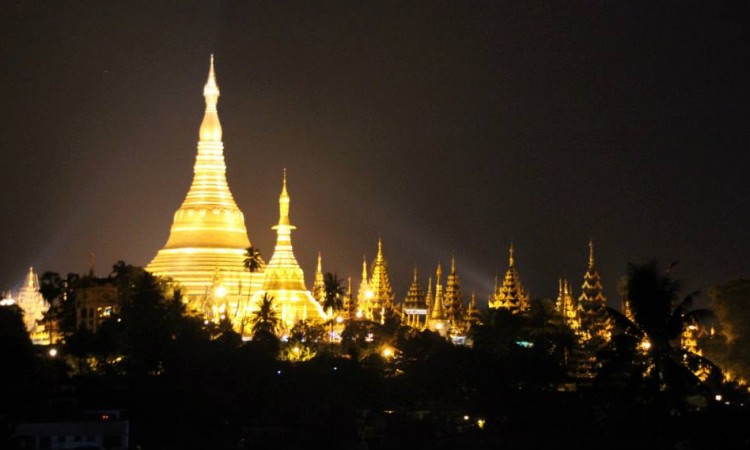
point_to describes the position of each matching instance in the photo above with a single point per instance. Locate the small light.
(645, 345)
(53, 352)
(466, 417)
(335, 368)
(387, 352)
(718, 397)
(339, 319)
(278, 372)
(480, 423)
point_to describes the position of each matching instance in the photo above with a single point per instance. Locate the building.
(414, 313)
(208, 239)
(511, 294)
(95, 302)
(376, 297)
(94, 435)
(284, 279)
(33, 305)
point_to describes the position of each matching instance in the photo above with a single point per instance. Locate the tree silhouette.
(265, 319)
(253, 261)
(652, 337)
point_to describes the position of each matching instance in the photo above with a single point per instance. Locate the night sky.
(447, 128)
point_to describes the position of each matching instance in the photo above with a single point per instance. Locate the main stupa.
(208, 240)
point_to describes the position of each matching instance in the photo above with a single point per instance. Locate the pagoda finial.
(511, 258)
(284, 205)
(415, 274)
(320, 263)
(364, 267)
(453, 264)
(591, 253)
(380, 247)
(439, 272)
(211, 127)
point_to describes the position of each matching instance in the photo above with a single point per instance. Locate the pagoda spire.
(319, 287)
(208, 233)
(511, 294)
(283, 268)
(437, 310)
(594, 317)
(284, 279)
(414, 307)
(453, 297)
(380, 286)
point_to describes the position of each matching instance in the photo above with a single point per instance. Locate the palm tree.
(265, 320)
(333, 299)
(253, 261)
(659, 319)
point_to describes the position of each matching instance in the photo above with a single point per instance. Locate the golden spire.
(591, 253)
(211, 127)
(453, 264)
(511, 259)
(319, 286)
(284, 279)
(283, 262)
(208, 232)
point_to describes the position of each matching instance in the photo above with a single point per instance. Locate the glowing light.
(221, 292)
(718, 397)
(439, 325)
(480, 423)
(53, 352)
(387, 352)
(646, 345)
(359, 314)
(369, 294)
(339, 319)
(466, 417)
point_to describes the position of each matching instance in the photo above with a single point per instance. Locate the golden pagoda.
(593, 305)
(319, 286)
(378, 296)
(208, 239)
(415, 309)
(511, 295)
(284, 279)
(438, 320)
(453, 298)
(567, 306)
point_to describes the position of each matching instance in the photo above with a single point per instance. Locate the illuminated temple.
(284, 279)
(208, 239)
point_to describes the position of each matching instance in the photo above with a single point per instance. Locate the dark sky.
(448, 128)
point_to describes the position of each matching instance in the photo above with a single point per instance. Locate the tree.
(334, 293)
(253, 261)
(659, 319)
(729, 347)
(333, 299)
(265, 319)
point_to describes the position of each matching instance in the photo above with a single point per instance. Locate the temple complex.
(284, 279)
(208, 240)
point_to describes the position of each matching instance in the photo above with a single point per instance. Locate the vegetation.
(188, 383)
